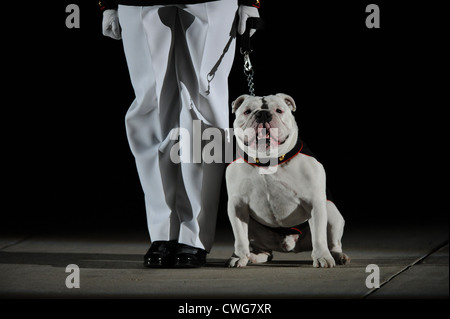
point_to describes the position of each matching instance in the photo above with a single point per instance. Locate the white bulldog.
(262, 204)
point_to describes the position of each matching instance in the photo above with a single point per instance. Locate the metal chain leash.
(249, 72)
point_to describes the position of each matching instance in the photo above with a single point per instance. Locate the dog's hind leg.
(335, 231)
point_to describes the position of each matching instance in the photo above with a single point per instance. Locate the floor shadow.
(114, 261)
(216, 263)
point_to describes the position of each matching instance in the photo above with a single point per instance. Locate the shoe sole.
(159, 264)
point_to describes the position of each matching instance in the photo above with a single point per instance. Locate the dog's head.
(265, 126)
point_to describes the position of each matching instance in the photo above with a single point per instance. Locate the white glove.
(111, 26)
(246, 12)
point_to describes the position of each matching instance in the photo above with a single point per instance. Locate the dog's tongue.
(264, 130)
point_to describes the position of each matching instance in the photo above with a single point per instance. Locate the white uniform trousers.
(170, 51)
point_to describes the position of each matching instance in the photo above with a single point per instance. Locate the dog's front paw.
(237, 262)
(260, 258)
(323, 259)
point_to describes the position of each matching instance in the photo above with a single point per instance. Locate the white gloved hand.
(246, 12)
(110, 24)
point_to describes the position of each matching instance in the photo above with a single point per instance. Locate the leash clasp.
(247, 63)
(248, 71)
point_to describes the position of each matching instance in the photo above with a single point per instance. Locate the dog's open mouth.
(265, 136)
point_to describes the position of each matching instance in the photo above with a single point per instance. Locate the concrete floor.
(413, 263)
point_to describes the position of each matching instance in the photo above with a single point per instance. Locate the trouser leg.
(146, 126)
(209, 33)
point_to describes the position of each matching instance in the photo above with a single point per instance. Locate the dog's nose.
(263, 117)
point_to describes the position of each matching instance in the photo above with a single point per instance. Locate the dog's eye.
(279, 111)
(247, 112)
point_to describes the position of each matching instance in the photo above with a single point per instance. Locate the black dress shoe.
(160, 254)
(189, 257)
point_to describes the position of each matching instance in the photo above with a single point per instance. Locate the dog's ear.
(288, 100)
(236, 104)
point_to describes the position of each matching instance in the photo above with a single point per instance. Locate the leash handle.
(252, 23)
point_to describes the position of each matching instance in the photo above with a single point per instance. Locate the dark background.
(368, 107)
